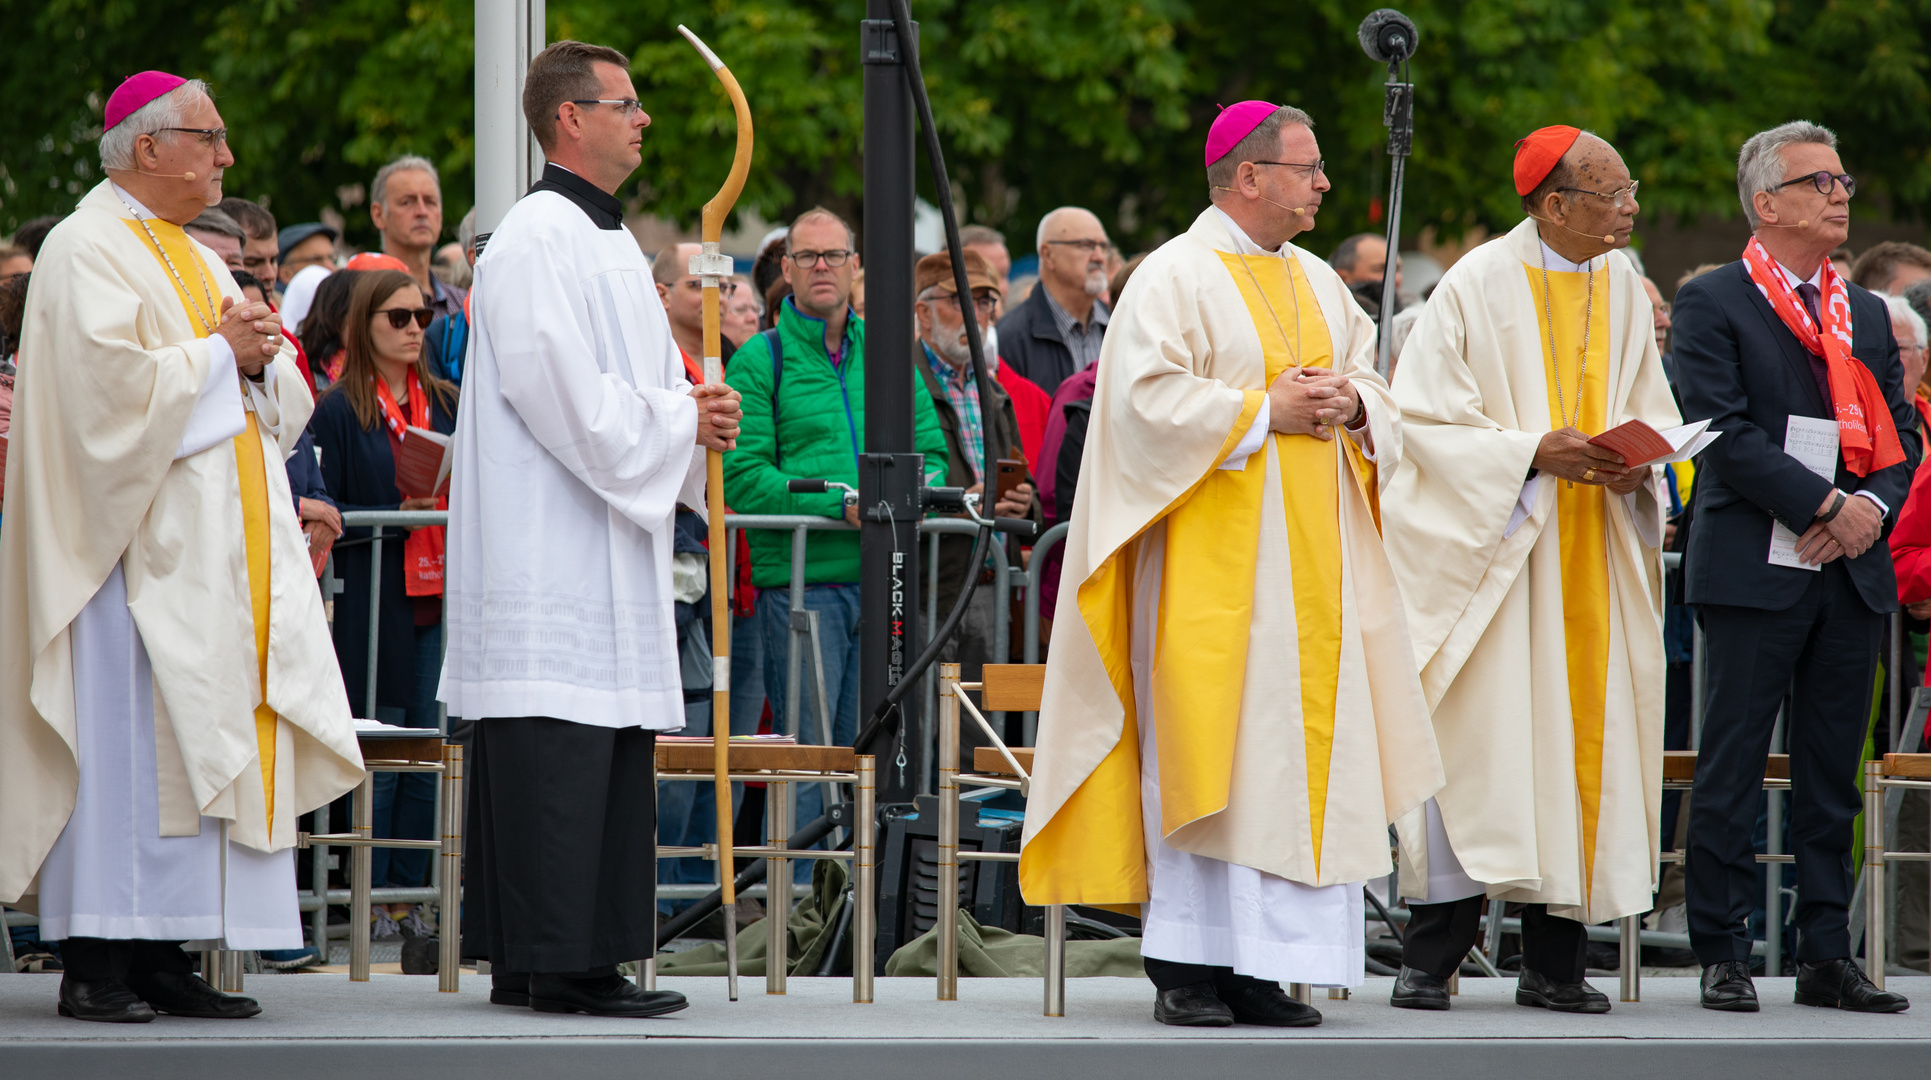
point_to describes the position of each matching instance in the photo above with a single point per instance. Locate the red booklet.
(1637, 442)
(422, 468)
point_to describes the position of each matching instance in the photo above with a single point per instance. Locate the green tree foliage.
(1102, 103)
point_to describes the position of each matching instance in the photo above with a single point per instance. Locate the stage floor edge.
(321, 1025)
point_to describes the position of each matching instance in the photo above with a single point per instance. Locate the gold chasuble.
(143, 465)
(1229, 592)
(1535, 604)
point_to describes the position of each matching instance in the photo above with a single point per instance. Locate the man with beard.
(1058, 330)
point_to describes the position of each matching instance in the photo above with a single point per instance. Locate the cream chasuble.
(166, 681)
(1231, 715)
(1535, 604)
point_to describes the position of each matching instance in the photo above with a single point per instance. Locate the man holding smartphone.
(947, 372)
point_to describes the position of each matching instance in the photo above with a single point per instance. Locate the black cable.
(679, 924)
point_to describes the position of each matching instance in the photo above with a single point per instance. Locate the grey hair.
(1918, 295)
(1259, 144)
(1760, 163)
(466, 230)
(168, 110)
(1902, 309)
(379, 189)
(1039, 235)
(219, 221)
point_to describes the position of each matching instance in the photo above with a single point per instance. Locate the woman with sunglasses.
(385, 388)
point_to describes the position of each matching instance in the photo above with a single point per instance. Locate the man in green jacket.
(804, 418)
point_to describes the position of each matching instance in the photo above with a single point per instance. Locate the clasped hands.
(253, 330)
(719, 412)
(1851, 532)
(1568, 454)
(1311, 401)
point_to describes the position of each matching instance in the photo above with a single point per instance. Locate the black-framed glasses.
(1320, 166)
(1617, 196)
(399, 316)
(1086, 247)
(631, 106)
(1824, 180)
(834, 258)
(211, 137)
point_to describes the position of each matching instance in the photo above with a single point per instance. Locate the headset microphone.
(1299, 211)
(165, 175)
(1607, 238)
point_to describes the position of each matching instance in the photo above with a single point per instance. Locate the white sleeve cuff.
(217, 415)
(1524, 506)
(1254, 439)
(1882, 508)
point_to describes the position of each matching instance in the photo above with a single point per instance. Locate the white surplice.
(574, 443)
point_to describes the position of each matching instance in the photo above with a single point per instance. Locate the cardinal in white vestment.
(576, 439)
(1231, 715)
(1529, 561)
(169, 702)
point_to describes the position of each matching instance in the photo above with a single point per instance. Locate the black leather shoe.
(600, 995)
(1419, 990)
(1576, 997)
(183, 994)
(1266, 1004)
(1727, 987)
(509, 988)
(1193, 1005)
(1841, 984)
(108, 1001)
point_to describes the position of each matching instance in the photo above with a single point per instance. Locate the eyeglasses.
(724, 288)
(211, 137)
(1318, 166)
(1086, 247)
(808, 259)
(1617, 195)
(1824, 180)
(399, 316)
(631, 106)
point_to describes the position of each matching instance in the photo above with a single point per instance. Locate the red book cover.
(1637, 442)
(422, 468)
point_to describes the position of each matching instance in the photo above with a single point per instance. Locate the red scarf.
(422, 553)
(1865, 430)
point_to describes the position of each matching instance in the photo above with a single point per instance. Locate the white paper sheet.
(1813, 442)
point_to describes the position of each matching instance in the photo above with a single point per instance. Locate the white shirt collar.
(1243, 243)
(141, 213)
(1555, 261)
(1790, 279)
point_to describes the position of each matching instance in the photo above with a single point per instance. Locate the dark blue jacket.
(1741, 368)
(360, 471)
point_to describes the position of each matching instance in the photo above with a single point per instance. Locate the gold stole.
(252, 468)
(1207, 589)
(1582, 521)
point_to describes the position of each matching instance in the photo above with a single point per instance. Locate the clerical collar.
(1556, 262)
(141, 213)
(1243, 243)
(600, 206)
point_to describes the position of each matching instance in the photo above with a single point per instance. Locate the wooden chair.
(779, 765)
(1893, 771)
(1004, 688)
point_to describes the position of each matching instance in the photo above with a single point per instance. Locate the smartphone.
(1011, 473)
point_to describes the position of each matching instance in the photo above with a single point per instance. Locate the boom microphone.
(1387, 36)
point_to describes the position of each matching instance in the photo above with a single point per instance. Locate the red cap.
(375, 260)
(1235, 123)
(136, 91)
(1537, 154)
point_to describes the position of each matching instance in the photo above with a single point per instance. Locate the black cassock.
(560, 861)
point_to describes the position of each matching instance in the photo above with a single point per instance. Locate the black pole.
(1398, 113)
(888, 549)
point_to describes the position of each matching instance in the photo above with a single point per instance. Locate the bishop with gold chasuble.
(1534, 602)
(169, 701)
(1231, 715)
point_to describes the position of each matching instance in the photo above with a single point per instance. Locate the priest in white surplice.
(169, 702)
(1530, 567)
(576, 439)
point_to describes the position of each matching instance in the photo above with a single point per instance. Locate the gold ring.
(1589, 475)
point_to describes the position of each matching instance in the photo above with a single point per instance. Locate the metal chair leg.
(864, 933)
(948, 868)
(1874, 872)
(449, 921)
(1056, 960)
(361, 866)
(1632, 957)
(777, 897)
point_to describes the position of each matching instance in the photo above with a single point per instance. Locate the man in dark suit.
(1759, 342)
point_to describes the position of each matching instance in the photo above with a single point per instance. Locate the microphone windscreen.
(187, 176)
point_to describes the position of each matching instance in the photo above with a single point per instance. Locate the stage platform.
(321, 1025)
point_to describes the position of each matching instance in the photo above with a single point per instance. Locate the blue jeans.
(686, 811)
(837, 608)
(405, 803)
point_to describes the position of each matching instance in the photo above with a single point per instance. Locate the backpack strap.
(775, 342)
